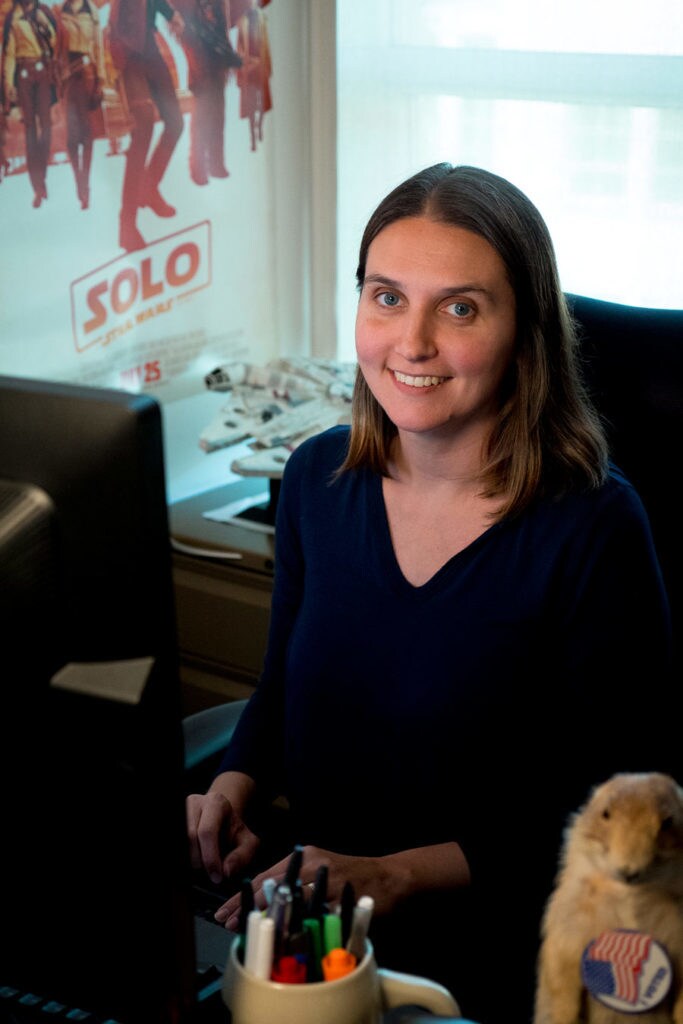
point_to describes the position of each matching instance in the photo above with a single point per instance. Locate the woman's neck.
(421, 459)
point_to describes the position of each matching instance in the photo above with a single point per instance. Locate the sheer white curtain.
(579, 104)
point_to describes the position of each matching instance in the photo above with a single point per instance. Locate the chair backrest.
(634, 369)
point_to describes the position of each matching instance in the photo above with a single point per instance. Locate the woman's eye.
(387, 299)
(461, 309)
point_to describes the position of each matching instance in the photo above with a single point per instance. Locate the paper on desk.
(228, 513)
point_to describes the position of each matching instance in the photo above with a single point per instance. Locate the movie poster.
(136, 189)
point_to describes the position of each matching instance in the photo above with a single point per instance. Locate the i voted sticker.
(626, 970)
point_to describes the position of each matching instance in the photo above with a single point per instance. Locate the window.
(579, 105)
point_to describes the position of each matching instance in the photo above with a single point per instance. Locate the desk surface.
(188, 525)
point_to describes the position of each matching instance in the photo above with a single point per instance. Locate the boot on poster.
(253, 77)
(210, 56)
(28, 77)
(150, 91)
(82, 72)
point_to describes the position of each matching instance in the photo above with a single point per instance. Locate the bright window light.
(580, 105)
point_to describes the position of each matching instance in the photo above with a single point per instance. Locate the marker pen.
(318, 906)
(360, 925)
(337, 964)
(260, 945)
(332, 932)
(315, 951)
(246, 907)
(290, 970)
(246, 904)
(294, 867)
(280, 911)
(346, 908)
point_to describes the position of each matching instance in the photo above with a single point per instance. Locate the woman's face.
(435, 327)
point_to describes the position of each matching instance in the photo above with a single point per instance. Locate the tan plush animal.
(621, 871)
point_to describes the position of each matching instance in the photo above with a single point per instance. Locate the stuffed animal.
(612, 934)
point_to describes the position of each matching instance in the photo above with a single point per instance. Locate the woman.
(80, 54)
(465, 589)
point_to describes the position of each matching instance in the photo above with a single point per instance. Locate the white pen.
(360, 924)
(251, 939)
(260, 945)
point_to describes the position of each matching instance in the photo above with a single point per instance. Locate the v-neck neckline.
(388, 555)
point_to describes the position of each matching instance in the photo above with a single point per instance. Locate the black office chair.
(634, 371)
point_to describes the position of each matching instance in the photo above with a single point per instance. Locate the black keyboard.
(212, 941)
(21, 1007)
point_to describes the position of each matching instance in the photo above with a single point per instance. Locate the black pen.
(294, 867)
(348, 902)
(246, 906)
(297, 941)
(318, 905)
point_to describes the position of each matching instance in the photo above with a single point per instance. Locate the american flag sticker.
(626, 970)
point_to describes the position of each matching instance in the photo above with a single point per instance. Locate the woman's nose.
(416, 340)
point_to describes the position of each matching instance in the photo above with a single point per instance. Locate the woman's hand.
(220, 842)
(389, 879)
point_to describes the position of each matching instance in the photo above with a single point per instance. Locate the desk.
(222, 605)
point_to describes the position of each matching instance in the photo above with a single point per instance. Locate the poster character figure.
(82, 73)
(253, 77)
(149, 89)
(4, 162)
(210, 56)
(28, 77)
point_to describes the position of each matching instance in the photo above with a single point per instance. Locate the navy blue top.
(478, 707)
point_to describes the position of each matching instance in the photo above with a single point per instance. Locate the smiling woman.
(433, 351)
(441, 566)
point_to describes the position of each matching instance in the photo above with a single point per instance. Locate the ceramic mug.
(360, 997)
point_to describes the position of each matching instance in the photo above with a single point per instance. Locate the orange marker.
(337, 963)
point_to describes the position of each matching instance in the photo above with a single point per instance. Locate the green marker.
(314, 936)
(332, 932)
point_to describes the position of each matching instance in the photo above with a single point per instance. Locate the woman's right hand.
(220, 842)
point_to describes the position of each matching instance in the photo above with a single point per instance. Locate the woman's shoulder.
(322, 453)
(614, 502)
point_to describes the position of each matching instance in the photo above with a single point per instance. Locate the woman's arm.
(390, 880)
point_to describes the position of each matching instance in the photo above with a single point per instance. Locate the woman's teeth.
(418, 382)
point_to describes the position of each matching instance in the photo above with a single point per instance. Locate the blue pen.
(269, 886)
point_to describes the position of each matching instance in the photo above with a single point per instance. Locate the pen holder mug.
(360, 997)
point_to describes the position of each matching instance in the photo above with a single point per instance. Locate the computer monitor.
(95, 907)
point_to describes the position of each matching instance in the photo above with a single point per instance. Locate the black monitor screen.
(94, 881)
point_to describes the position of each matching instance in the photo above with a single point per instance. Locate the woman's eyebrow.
(455, 289)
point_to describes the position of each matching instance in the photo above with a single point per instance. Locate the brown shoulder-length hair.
(547, 438)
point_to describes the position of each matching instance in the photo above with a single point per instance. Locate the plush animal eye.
(605, 813)
(667, 824)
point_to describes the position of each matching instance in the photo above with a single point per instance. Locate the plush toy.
(612, 933)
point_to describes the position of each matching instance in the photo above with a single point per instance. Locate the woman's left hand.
(378, 877)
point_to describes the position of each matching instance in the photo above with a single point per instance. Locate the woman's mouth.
(425, 381)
